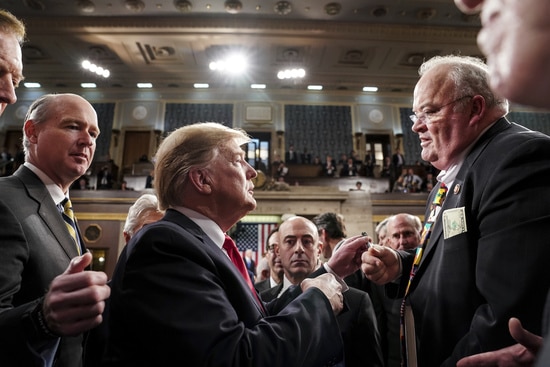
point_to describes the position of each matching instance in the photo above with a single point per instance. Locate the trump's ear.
(200, 179)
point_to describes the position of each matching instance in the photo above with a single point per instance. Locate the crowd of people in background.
(470, 289)
(401, 177)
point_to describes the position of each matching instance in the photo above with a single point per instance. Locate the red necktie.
(235, 256)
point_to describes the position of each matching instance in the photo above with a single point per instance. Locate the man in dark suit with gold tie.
(47, 301)
(486, 258)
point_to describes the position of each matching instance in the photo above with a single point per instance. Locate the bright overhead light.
(144, 85)
(232, 64)
(88, 65)
(291, 73)
(257, 86)
(31, 85)
(88, 85)
(370, 89)
(201, 85)
(315, 87)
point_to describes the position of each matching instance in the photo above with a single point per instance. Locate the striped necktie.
(70, 222)
(407, 333)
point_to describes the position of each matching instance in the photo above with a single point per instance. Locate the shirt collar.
(448, 176)
(55, 191)
(208, 226)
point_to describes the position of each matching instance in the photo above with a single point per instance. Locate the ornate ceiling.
(343, 45)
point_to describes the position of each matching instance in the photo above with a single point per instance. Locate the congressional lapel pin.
(456, 189)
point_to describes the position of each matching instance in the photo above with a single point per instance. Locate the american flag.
(252, 236)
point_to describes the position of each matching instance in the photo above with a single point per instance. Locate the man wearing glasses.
(484, 250)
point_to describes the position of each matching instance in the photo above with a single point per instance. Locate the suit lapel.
(47, 210)
(453, 197)
(213, 250)
(454, 194)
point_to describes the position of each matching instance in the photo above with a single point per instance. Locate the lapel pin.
(456, 190)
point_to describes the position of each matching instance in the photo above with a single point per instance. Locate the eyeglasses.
(426, 115)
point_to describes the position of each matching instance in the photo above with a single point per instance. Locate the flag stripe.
(252, 236)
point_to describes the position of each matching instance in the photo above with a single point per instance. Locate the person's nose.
(250, 171)
(418, 125)
(86, 139)
(299, 247)
(7, 90)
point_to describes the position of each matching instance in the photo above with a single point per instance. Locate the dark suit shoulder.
(262, 285)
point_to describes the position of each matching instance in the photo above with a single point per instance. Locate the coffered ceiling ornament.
(341, 44)
(86, 6)
(134, 5)
(233, 6)
(333, 8)
(283, 7)
(183, 6)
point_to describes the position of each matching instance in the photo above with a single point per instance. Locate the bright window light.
(315, 87)
(257, 86)
(88, 85)
(370, 89)
(145, 85)
(201, 85)
(31, 85)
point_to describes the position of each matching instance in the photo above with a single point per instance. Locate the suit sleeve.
(175, 304)
(510, 218)
(20, 325)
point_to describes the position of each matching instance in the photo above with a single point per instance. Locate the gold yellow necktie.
(70, 222)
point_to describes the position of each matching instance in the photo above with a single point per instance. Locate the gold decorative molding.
(101, 216)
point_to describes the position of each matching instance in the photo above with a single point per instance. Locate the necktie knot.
(229, 245)
(68, 208)
(70, 222)
(231, 248)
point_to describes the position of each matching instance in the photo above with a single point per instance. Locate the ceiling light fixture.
(201, 85)
(88, 85)
(370, 89)
(257, 86)
(144, 85)
(291, 73)
(315, 87)
(31, 85)
(90, 66)
(233, 64)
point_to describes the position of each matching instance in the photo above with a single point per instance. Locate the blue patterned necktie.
(70, 222)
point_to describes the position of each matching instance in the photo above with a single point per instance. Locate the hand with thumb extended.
(79, 263)
(76, 298)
